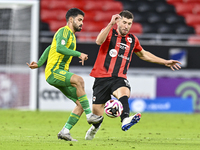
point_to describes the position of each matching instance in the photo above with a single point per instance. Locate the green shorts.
(61, 80)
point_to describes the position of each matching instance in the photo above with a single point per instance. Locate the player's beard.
(76, 27)
(122, 33)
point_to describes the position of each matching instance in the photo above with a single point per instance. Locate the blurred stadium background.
(168, 28)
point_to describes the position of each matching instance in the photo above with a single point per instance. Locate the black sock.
(98, 124)
(126, 110)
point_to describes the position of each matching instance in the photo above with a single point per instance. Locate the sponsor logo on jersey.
(113, 53)
(124, 57)
(122, 46)
(62, 42)
(129, 39)
(62, 72)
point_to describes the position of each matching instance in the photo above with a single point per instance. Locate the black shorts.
(104, 87)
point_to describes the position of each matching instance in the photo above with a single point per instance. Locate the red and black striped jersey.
(115, 55)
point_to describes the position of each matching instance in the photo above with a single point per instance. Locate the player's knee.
(80, 81)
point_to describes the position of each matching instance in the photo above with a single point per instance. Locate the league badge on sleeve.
(63, 42)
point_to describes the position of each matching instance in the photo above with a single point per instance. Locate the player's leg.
(121, 91)
(97, 109)
(72, 120)
(101, 93)
(58, 80)
(74, 116)
(62, 78)
(70, 92)
(122, 94)
(78, 82)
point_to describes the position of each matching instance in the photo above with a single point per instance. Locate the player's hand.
(173, 64)
(83, 57)
(32, 65)
(115, 18)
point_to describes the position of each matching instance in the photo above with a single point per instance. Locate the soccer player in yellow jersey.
(59, 55)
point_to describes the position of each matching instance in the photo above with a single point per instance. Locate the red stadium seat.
(192, 19)
(136, 28)
(197, 29)
(174, 1)
(103, 6)
(55, 25)
(183, 8)
(91, 26)
(113, 6)
(96, 0)
(89, 16)
(57, 5)
(61, 14)
(196, 9)
(61, 4)
(75, 4)
(104, 15)
(44, 4)
(191, 1)
(86, 38)
(47, 15)
(93, 5)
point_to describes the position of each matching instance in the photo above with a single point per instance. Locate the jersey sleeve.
(44, 56)
(61, 48)
(138, 47)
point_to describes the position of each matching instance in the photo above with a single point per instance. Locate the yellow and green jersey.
(59, 54)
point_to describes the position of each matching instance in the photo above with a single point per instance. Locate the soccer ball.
(113, 108)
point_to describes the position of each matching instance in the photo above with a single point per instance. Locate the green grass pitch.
(37, 130)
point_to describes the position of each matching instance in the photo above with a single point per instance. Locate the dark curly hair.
(126, 14)
(74, 12)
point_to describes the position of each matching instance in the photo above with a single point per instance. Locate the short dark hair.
(74, 12)
(126, 14)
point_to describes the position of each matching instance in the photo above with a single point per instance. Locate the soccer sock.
(72, 120)
(85, 104)
(126, 110)
(98, 124)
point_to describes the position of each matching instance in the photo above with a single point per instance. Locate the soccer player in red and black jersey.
(112, 63)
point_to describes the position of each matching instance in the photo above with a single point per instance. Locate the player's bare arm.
(83, 57)
(104, 33)
(147, 56)
(32, 65)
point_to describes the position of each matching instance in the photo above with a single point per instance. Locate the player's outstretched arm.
(32, 65)
(147, 56)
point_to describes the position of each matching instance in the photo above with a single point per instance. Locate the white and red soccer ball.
(113, 108)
